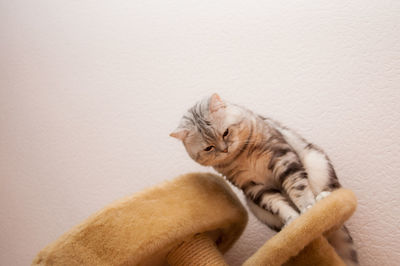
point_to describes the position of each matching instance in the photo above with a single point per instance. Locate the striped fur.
(322, 178)
(279, 171)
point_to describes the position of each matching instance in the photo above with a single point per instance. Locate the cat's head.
(212, 130)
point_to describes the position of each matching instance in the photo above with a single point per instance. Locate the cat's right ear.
(216, 103)
(180, 133)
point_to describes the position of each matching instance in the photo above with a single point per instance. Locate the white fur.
(317, 167)
(315, 162)
(306, 201)
(293, 139)
(322, 195)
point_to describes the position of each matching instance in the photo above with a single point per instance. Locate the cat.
(281, 174)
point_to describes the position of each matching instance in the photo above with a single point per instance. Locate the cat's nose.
(225, 150)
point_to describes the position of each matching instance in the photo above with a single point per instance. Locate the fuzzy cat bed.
(188, 220)
(191, 221)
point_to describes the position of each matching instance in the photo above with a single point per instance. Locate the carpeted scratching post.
(302, 242)
(198, 250)
(187, 221)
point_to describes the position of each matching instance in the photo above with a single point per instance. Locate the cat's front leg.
(299, 192)
(294, 182)
(272, 201)
(290, 175)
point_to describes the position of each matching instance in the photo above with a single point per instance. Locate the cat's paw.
(306, 208)
(289, 220)
(322, 195)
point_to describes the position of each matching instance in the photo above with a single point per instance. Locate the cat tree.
(192, 220)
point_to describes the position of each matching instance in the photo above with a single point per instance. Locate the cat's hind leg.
(321, 174)
(343, 243)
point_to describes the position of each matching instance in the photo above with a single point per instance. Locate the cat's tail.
(343, 243)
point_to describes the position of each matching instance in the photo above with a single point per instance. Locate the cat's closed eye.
(225, 133)
(209, 148)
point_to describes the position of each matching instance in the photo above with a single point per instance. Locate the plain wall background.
(90, 90)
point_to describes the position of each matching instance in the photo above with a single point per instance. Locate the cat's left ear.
(216, 103)
(180, 133)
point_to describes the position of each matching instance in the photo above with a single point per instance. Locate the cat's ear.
(216, 103)
(180, 133)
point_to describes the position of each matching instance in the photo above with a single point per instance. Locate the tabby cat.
(281, 174)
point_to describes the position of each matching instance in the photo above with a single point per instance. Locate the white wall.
(89, 91)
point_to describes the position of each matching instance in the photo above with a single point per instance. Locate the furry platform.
(144, 228)
(302, 241)
(184, 220)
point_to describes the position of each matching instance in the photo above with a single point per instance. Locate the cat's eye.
(209, 148)
(225, 133)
